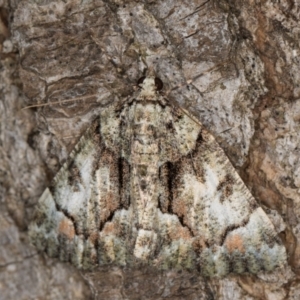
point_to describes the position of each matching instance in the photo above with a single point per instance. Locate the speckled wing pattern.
(147, 185)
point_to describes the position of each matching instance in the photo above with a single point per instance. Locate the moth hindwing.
(147, 185)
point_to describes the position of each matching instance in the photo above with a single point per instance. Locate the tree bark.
(233, 64)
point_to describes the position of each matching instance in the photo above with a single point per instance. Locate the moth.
(147, 185)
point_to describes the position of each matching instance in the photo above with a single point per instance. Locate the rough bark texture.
(243, 59)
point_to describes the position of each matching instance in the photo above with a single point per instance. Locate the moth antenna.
(216, 67)
(59, 102)
(226, 130)
(189, 81)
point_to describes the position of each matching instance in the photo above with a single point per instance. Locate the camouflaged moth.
(147, 185)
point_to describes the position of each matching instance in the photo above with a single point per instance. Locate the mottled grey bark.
(242, 58)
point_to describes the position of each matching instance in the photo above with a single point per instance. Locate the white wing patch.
(148, 186)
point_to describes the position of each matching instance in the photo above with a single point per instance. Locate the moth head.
(149, 85)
